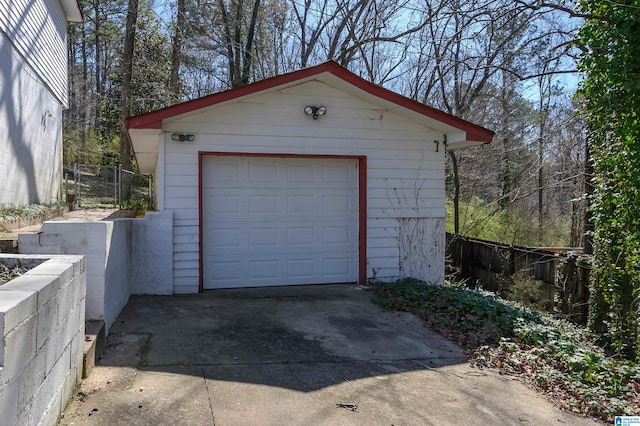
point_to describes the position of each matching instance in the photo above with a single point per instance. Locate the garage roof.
(145, 130)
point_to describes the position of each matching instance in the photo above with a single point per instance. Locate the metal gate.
(90, 185)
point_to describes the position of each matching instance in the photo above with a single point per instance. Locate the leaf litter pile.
(554, 356)
(7, 274)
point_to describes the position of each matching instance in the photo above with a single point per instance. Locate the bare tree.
(176, 52)
(127, 70)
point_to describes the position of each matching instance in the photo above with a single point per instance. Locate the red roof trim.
(153, 120)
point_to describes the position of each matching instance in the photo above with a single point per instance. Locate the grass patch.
(554, 356)
(24, 213)
(28, 211)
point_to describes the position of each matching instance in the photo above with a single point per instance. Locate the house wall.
(42, 325)
(37, 32)
(33, 80)
(405, 174)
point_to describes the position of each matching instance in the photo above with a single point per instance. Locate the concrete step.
(93, 345)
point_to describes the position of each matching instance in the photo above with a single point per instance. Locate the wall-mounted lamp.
(315, 111)
(182, 137)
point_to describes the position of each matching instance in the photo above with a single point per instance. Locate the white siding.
(405, 173)
(37, 31)
(30, 133)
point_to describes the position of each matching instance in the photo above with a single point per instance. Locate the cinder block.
(68, 387)
(76, 260)
(55, 346)
(61, 367)
(82, 303)
(70, 327)
(78, 288)
(9, 402)
(19, 346)
(65, 302)
(53, 267)
(47, 317)
(30, 378)
(27, 414)
(42, 397)
(45, 285)
(16, 306)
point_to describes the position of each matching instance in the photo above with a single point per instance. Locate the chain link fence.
(89, 185)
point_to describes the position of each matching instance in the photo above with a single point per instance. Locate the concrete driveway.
(313, 355)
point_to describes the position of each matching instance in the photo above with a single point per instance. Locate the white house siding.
(37, 31)
(405, 173)
(30, 139)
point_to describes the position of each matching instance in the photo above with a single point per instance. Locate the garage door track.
(312, 355)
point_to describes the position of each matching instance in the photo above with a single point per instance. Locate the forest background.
(507, 65)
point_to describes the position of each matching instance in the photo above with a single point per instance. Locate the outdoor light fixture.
(315, 111)
(182, 137)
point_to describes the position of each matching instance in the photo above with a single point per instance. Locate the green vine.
(611, 64)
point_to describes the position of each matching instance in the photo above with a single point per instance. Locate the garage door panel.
(264, 204)
(263, 237)
(337, 173)
(260, 171)
(279, 221)
(300, 236)
(300, 173)
(250, 237)
(300, 204)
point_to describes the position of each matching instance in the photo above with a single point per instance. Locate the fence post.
(120, 185)
(151, 206)
(76, 179)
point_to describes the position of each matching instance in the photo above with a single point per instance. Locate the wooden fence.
(492, 266)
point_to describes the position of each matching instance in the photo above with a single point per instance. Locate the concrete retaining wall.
(124, 257)
(105, 244)
(42, 321)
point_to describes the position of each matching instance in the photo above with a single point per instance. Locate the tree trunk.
(588, 189)
(97, 68)
(248, 54)
(174, 82)
(125, 101)
(456, 192)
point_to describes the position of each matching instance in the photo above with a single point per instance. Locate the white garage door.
(279, 221)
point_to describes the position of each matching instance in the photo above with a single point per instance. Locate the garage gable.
(143, 129)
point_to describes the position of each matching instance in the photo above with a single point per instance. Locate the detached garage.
(312, 177)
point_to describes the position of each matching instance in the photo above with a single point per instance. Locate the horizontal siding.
(37, 29)
(405, 173)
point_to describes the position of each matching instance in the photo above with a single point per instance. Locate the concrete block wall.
(42, 321)
(123, 256)
(106, 246)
